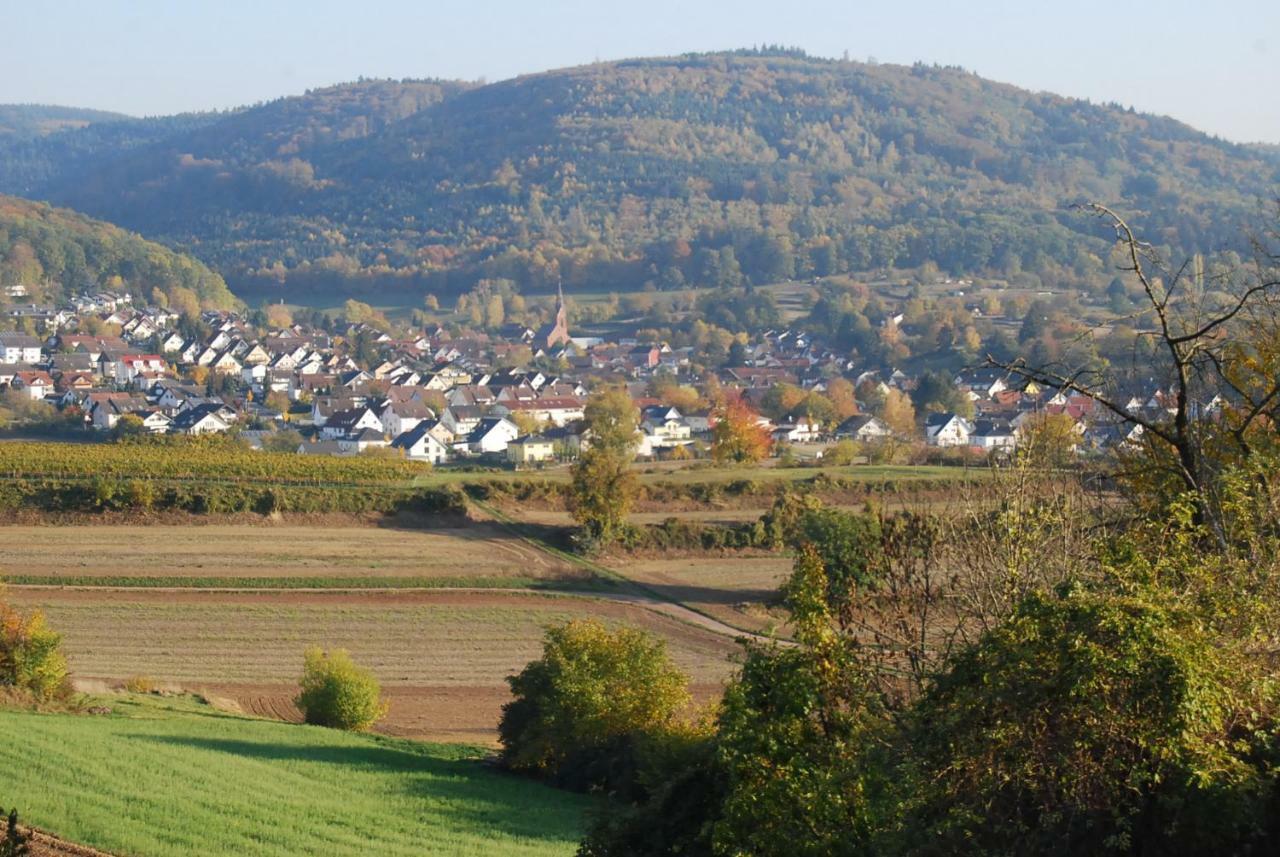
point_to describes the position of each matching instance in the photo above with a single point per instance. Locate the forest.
(709, 170)
(55, 253)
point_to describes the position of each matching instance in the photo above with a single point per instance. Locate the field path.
(638, 593)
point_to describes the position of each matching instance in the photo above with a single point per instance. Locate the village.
(440, 396)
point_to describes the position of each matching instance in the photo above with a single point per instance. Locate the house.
(798, 430)
(202, 419)
(947, 430)
(664, 427)
(365, 438)
(35, 384)
(19, 348)
(399, 417)
(492, 435)
(155, 421)
(130, 366)
(531, 449)
(461, 419)
(226, 363)
(983, 383)
(863, 428)
(555, 410)
(106, 409)
(992, 434)
(321, 447)
(350, 422)
(420, 444)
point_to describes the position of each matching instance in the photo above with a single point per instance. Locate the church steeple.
(557, 333)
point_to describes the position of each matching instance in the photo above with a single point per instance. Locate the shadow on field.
(477, 797)
(682, 593)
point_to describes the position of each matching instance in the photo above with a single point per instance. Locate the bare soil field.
(737, 590)
(441, 655)
(473, 551)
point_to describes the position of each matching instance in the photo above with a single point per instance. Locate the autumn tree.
(575, 708)
(603, 485)
(1048, 440)
(31, 656)
(278, 315)
(737, 436)
(898, 413)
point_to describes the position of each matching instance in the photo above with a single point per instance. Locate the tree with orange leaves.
(738, 436)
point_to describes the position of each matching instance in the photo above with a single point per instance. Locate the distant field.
(735, 590)
(162, 777)
(284, 556)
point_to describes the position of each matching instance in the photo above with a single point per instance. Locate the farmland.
(442, 654)
(171, 777)
(737, 590)
(341, 554)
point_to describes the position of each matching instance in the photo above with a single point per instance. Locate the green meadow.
(171, 776)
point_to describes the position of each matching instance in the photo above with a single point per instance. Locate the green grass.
(173, 777)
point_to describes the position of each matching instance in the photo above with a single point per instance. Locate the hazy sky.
(1214, 65)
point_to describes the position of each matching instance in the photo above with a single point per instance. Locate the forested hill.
(707, 169)
(55, 252)
(36, 120)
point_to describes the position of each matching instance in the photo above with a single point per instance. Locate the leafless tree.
(1198, 343)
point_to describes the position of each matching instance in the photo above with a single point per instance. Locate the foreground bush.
(337, 693)
(1094, 722)
(31, 656)
(580, 710)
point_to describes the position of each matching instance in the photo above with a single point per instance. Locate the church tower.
(557, 333)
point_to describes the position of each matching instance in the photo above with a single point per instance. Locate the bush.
(581, 708)
(140, 684)
(1093, 722)
(31, 654)
(337, 693)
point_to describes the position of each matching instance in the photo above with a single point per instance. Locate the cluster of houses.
(440, 396)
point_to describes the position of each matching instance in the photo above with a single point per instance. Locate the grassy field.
(162, 777)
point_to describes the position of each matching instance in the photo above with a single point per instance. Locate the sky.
(1213, 65)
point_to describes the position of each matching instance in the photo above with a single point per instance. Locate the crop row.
(195, 460)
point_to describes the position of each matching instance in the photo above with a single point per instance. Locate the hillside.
(700, 170)
(37, 120)
(164, 777)
(54, 252)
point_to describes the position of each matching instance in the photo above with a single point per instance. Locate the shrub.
(140, 684)
(580, 709)
(1095, 722)
(31, 654)
(337, 693)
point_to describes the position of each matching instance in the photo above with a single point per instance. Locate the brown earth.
(442, 655)
(342, 548)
